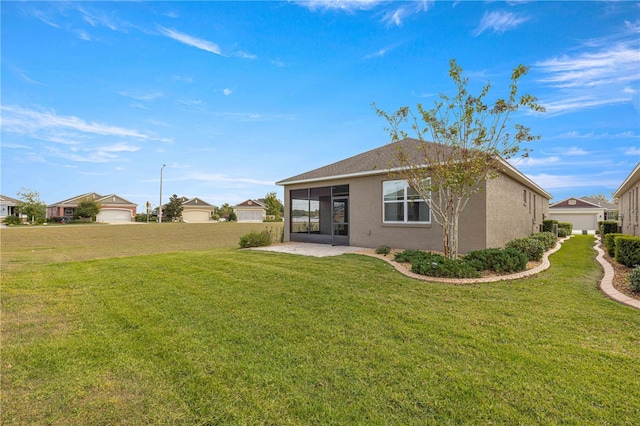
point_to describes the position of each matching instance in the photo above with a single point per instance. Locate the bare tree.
(468, 137)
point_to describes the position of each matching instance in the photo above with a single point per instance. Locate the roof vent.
(572, 202)
(250, 202)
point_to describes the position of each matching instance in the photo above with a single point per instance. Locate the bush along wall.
(608, 227)
(627, 251)
(547, 225)
(609, 242)
(568, 226)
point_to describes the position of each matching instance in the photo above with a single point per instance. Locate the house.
(610, 209)
(358, 202)
(250, 211)
(113, 208)
(196, 210)
(584, 212)
(628, 196)
(7, 206)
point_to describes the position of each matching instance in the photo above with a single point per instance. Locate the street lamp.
(160, 205)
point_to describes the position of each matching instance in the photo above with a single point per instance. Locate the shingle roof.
(383, 159)
(376, 161)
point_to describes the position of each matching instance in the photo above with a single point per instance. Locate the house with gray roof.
(113, 208)
(7, 206)
(359, 202)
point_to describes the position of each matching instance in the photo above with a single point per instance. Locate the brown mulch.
(621, 276)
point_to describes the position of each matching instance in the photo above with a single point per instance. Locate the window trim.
(404, 203)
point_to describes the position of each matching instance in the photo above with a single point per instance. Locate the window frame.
(407, 198)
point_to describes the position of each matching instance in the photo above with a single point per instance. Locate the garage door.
(580, 221)
(114, 215)
(195, 216)
(249, 216)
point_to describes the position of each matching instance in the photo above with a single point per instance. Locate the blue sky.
(234, 96)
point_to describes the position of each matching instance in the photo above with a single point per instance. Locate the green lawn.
(224, 336)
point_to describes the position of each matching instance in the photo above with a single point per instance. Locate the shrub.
(627, 251)
(12, 220)
(634, 280)
(383, 249)
(447, 268)
(530, 246)
(608, 227)
(568, 226)
(498, 260)
(255, 239)
(608, 240)
(414, 256)
(548, 239)
(562, 233)
(547, 225)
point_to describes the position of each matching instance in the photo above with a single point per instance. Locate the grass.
(223, 336)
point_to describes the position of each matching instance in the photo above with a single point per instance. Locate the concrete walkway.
(606, 285)
(310, 249)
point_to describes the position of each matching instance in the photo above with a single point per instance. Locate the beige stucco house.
(584, 213)
(196, 210)
(113, 208)
(250, 211)
(358, 202)
(628, 196)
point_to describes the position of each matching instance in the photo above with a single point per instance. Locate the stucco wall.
(627, 209)
(368, 230)
(508, 215)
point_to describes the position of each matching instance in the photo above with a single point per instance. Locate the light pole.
(160, 205)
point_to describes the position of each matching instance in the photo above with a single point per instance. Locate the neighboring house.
(7, 206)
(250, 211)
(358, 202)
(195, 210)
(113, 208)
(584, 213)
(628, 196)
(610, 209)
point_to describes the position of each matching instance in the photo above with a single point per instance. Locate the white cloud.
(221, 178)
(575, 151)
(345, 5)
(534, 161)
(571, 104)
(191, 41)
(227, 92)
(603, 74)
(634, 150)
(499, 22)
(397, 11)
(245, 55)
(145, 97)
(82, 35)
(42, 125)
(549, 181)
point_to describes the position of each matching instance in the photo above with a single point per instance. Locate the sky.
(235, 96)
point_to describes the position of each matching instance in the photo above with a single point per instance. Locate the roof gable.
(197, 202)
(251, 203)
(6, 199)
(78, 198)
(114, 199)
(574, 203)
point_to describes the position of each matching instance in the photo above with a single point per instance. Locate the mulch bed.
(621, 277)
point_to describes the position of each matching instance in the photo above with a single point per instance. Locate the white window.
(403, 204)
